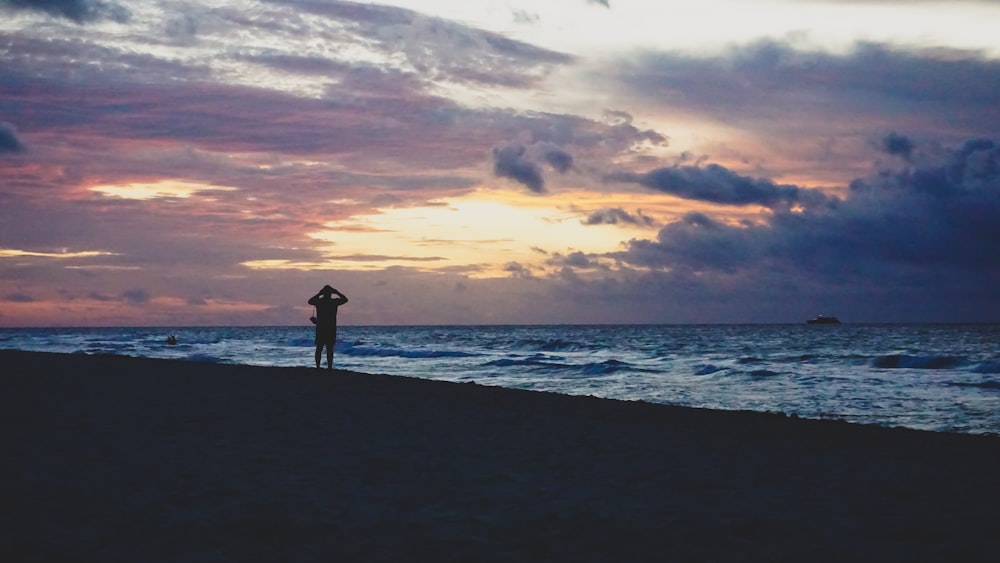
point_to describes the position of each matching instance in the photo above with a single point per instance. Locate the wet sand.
(125, 459)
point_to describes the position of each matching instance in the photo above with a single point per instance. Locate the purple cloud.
(776, 90)
(509, 161)
(898, 145)
(136, 296)
(717, 184)
(9, 140)
(907, 226)
(616, 215)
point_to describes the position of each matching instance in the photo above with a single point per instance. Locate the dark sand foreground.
(125, 459)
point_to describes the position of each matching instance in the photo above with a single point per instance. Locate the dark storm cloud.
(615, 216)
(556, 157)
(910, 227)
(520, 162)
(776, 86)
(896, 144)
(509, 161)
(717, 184)
(79, 11)
(9, 140)
(697, 242)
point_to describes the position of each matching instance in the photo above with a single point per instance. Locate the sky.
(169, 163)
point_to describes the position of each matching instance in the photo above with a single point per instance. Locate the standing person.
(326, 321)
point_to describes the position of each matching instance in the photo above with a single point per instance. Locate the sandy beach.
(110, 458)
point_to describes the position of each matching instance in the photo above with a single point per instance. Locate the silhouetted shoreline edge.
(113, 458)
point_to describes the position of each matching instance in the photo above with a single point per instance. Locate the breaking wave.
(365, 351)
(550, 345)
(550, 364)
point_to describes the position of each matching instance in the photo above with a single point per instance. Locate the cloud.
(79, 11)
(717, 184)
(780, 90)
(375, 135)
(136, 296)
(573, 260)
(697, 242)
(435, 48)
(915, 226)
(518, 270)
(896, 144)
(298, 64)
(9, 140)
(519, 162)
(751, 73)
(365, 112)
(384, 258)
(617, 215)
(339, 110)
(557, 157)
(509, 161)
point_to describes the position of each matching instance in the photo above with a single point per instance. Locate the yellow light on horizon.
(64, 254)
(154, 190)
(481, 233)
(477, 234)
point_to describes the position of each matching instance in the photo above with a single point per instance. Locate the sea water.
(933, 377)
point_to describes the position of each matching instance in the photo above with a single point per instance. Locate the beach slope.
(111, 458)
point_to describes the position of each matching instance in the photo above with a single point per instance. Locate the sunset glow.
(161, 189)
(508, 162)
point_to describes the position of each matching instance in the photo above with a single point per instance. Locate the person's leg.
(319, 353)
(329, 347)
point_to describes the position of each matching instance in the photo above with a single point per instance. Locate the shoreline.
(117, 458)
(946, 380)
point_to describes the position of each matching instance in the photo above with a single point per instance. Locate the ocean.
(930, 377)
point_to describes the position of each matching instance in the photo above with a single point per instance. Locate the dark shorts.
(326, 335)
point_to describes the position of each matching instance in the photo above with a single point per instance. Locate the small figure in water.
(171, 340)
(326, 321)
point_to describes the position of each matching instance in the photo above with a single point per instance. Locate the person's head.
(327, 291)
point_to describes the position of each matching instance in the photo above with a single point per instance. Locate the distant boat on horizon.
(823, 320)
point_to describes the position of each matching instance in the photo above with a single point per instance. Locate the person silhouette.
(326, 321)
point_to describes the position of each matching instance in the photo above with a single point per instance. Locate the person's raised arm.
(343, 298)
(315, 298)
